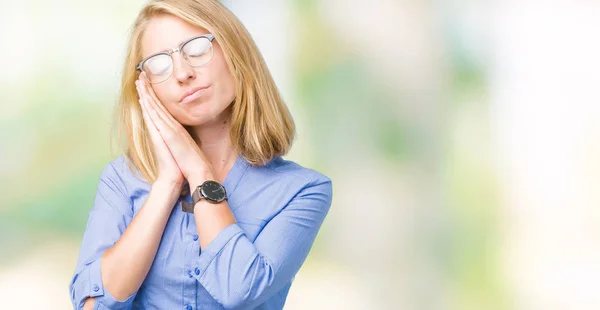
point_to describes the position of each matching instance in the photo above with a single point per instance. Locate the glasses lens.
(198, 52)
(158, 68)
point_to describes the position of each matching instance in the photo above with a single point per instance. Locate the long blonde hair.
(261, 124)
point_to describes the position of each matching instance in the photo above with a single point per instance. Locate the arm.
(242, 274)
(118, 249)
(235, 271)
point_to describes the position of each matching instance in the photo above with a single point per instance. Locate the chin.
(197, 119)
(191, 120)
(192, 115)
(202, 113)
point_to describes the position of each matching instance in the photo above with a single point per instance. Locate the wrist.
(168, 187)
(198, 179)
(207, 192)
(163, 196)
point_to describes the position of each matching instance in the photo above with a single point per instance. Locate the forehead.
(165, 32)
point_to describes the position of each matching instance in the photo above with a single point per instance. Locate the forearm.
(125, 265)
(211, 218)
(240, 270)
(89, 303)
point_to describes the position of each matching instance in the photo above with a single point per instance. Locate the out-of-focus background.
(462, 138)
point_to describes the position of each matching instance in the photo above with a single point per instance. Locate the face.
(217, 91)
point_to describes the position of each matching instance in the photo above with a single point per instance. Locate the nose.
(181, 69)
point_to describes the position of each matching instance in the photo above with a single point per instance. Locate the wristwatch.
(210, 190)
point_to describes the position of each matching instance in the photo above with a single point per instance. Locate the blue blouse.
(279, 208)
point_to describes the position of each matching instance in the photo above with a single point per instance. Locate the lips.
(191, 92)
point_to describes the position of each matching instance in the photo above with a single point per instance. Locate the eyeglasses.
(197, 51)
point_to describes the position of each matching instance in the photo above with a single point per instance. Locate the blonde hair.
(261, 124)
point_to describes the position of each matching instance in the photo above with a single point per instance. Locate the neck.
(213, 139)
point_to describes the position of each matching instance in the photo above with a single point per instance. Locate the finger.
(158, 144)
(150, 127)
(146, 89)
(152, 109)
(159, 115)
(138, 88)
(150, 114)
(157, 127)
(147, 119)
(159, 107)
(164, 129)
(150, 91)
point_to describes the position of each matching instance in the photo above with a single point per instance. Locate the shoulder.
(292, 169)
(294, 176)
(116, 168)
(118, 172)
(264, 191)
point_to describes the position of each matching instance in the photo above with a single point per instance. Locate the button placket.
(190, 284)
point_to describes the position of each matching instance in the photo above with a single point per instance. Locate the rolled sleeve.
(92, 287)
(96, 288)
(108, 219)
(216, 245)
(240, 274)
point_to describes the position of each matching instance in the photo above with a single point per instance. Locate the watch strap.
(196, 196)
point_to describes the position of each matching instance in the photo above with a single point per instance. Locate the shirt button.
(197, 271)
(188, 307)
(95, 288)
(189, 273)
(195, 237)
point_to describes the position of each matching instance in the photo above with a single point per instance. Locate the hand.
(168, 171)
(188, 157)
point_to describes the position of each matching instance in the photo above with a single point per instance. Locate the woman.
(198, 111)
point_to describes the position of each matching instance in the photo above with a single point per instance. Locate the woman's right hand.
(168, 170)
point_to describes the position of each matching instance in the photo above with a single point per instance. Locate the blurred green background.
(462, 138)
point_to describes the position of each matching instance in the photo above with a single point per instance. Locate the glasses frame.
(169, 53)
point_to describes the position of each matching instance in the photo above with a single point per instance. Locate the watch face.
(213, 191)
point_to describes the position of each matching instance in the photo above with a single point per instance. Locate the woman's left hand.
(189, 157)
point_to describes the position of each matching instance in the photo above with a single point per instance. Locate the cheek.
(227, 89)
(226, 83)
(161, 92)
(165, 97)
